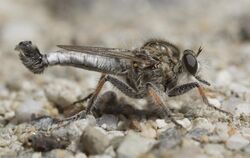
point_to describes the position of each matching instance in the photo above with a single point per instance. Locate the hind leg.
(123, 87)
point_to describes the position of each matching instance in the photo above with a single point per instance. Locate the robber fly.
(147, 71)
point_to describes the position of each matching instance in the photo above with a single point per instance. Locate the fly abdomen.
(37, 62)
(86, 61)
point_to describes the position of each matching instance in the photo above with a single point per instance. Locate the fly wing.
(105, 52)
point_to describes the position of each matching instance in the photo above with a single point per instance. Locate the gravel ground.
(30, 105)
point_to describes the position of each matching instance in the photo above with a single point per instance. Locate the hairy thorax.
(162, 73)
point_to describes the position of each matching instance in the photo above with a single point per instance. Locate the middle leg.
(152, 92)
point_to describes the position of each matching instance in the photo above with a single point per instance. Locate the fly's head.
(171, 62)
(190, 65)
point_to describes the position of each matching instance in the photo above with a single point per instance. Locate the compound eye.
(190, 62)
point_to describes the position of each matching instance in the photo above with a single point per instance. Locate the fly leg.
(94, 95)
(73, 109)
(179, 90)
(152, 92)
(83, 99)
(125, 88)
(89, 96)
(82, 114)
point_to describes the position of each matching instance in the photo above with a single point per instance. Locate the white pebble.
(185, 123)
(237, 142)
(80, 155)
(104, 126)
(215, 150)
(134, 145)
(115, 134)
(214, 102)
(243, 108)
(161, 123)
(27, 108)
(236, 106)
(246, 133)
(203, 123)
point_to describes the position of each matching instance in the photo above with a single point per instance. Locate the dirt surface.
(30, 105)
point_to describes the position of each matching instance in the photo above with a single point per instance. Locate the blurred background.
(221, 27)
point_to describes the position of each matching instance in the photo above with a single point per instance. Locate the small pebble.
(108, 122)
(198, 133)
(215, 150)
(190, 151)
(93, 141)
(247, 149)
(214, 102)
(236, 106)
(134, 145)
(80, 155)
(185, 123)
(169, 138)
(236, 142)
(115, 134)
(110, 152)
(147, 130)
(243, 108)
(9, 115)
(74, 130)
(222, 130)
(62, 92)
(58, 153)
(28, 108)
(203, 124)
(42, 143)
(4, 142)
(100, 156)
(161, 123)
(246, 133)
(187, 142)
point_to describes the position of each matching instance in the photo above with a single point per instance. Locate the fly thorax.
(177, 68)
(165, 67)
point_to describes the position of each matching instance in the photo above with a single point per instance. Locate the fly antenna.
(199, 51)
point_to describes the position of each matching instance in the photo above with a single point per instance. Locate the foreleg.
(179, 90)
